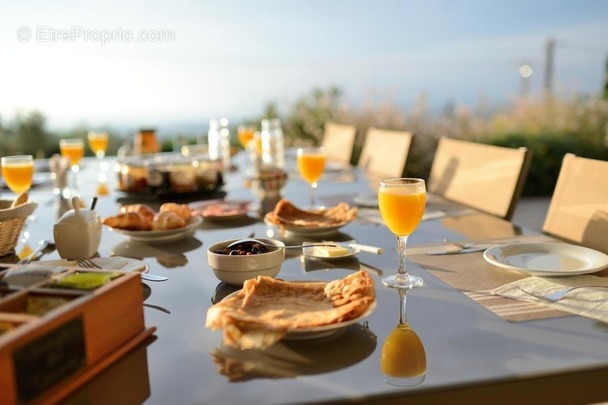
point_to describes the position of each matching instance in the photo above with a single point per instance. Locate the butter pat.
(329, 251)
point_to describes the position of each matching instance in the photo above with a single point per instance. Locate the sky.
(154, 63)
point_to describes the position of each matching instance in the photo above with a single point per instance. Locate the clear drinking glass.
(311, 164)
(73, 150)
(402, 203)
(403, 358)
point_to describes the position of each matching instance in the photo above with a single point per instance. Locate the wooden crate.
(45, 357)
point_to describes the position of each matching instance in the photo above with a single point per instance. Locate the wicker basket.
(11, 222)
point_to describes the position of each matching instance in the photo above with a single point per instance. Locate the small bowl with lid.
(78, 232)
(243, 264)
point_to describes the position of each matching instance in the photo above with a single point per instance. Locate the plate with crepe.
(161, 236)
(547, 259)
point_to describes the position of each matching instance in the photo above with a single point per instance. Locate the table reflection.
(403, 358)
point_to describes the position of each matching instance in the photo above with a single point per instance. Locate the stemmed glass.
(18, 173)
(403, 358)
(401, 203)
(98, 143)
(73, 150)
(311, 164)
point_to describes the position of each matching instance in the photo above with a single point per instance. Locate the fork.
(559, 294)
(87, 263)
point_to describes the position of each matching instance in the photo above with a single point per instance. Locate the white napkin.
(587, 302)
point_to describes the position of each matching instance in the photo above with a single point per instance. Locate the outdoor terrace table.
(472, 354)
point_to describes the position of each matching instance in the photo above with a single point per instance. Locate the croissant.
(182, 210)
(167, 220)
(142, 209)
(128, 220)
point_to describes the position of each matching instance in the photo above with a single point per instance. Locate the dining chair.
(339, 141)
(578, 211)
(385, 152)
(488, 178)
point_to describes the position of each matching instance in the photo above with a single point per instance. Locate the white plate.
(547, 259)
(312, 231)
(318, 332)
(366, 200)
(224, 210)
(169, 235)
(126, 264)
(308, 251)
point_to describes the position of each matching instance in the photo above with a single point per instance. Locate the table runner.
(475, 277)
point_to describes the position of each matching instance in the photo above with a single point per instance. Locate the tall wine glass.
(403, 358)
(401, 203)
(73, 150)
(98, 143)
(311, 164)
(18, 173)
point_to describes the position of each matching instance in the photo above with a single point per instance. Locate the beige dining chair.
(488, 178)
(578, 212)
(339, 141)
(385, 152)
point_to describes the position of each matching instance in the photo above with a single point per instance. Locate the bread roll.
(128, 220)
(183, 210)
(142, 209)
(167, 220)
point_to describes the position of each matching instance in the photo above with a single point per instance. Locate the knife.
(457, 252)
(364, 248)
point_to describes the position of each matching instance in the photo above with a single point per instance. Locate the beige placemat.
(475, 277)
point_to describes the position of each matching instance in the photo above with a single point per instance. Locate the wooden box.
(43, 358)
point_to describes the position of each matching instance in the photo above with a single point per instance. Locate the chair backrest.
(578, 211)
(384, 152)
(485, 177)
(339, 141)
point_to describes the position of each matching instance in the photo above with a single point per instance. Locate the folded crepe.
(285, 213)
(266, 309)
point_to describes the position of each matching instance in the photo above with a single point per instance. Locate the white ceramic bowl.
(236, 269)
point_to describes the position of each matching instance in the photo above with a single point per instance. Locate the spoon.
(253, 240)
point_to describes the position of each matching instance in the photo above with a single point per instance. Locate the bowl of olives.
(247, 260)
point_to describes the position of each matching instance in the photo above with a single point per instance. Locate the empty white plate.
(547, 259)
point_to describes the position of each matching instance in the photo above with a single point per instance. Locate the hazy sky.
(232, 57)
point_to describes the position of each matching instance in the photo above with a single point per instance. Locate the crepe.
(287, 214)
(266, 309)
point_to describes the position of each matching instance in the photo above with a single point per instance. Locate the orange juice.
(98, 142)
(74, 152)
(401, 208)
(403, 354)
(18, 176)
(245, 135)
(311, 166)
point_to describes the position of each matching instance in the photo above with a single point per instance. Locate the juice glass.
(402, 203)
(98, 142)
(245, 134)
(311, 164)
(73, 150)
(18, 172)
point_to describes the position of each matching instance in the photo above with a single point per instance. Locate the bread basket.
(11, 222)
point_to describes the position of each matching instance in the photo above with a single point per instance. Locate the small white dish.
(161, 236)
(308, 251)
(547, 259)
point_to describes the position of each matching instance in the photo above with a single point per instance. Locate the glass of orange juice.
(18, 172)
(245, 134)
(311, 164)
(403, 358)
(73, 150)
(98, 142)
(402, 203)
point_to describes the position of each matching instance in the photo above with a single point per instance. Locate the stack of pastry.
(141, 217)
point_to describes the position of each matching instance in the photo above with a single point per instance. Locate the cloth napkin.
(587, 302)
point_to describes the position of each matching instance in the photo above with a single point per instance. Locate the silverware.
(457, 252)
(42, 246)
(559, 294)
(89, 264)
(363, 248)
